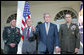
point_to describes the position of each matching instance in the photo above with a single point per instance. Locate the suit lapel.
(30, 31)
(44, 28)
(66, 27)
(26, 32)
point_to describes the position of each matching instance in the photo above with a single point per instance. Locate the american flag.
(80, 20)
(26, 15)
(23, 13)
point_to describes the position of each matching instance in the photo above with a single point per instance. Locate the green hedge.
(2, 51)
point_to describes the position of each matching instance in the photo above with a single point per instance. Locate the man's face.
(13, 23)
(68, 18)
(29, 23)
(47, 18)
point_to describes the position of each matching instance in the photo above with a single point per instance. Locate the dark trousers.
(9, 50)
(45, 52)
(12, 52)
(33, 52)
(65, 52)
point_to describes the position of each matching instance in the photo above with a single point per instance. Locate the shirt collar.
(29, 27)
(47, 22)
(12, 27)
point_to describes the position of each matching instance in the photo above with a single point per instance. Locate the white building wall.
(37, 8)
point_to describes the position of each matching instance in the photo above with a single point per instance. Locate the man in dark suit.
(29, 42)
(11, 38)
(48, 39)
(69, 36)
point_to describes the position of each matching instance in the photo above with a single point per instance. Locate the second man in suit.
(29, 43)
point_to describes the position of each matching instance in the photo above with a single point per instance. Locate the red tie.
(28, 33)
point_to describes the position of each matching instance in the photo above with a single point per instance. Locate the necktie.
(28, 33)
(47, 28)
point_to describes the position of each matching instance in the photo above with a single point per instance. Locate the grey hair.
(45, 14)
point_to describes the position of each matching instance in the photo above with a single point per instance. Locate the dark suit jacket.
(28, 46)
(47, 41)
(69, 37)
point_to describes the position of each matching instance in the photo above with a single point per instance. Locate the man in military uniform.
(11, 37)
(69, 36)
